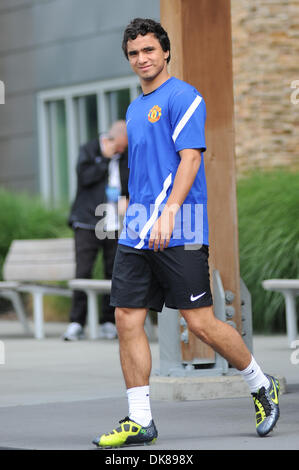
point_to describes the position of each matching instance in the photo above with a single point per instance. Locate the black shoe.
(267, 406)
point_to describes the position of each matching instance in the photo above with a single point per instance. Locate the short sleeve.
(187, 118)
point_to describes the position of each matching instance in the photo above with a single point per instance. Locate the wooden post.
(201, 54)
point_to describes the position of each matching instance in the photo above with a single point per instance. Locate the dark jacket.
(92, 177)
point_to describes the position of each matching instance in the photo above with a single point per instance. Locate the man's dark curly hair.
(144, 26)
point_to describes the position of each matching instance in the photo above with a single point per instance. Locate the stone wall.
(265, 63)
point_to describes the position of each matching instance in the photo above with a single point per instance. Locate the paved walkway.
(59, 395)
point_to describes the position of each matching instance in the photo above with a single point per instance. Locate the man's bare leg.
(136, 362)
(228, 342)
(222, 337)
(134, 349)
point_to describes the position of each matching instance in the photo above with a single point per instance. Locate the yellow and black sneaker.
(128, 433)
(267, 407)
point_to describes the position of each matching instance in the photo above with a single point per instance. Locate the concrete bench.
(290, 289)
(8, 290)
(93, 287)
(30, 263)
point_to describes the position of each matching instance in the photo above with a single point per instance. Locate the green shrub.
(268, 210)
(25, 217)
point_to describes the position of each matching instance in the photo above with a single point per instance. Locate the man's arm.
(184, 178)
(91, 167)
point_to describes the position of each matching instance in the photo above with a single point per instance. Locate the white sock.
(139, 405)
(254, 376)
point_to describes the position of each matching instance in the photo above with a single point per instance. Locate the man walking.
(162, 256)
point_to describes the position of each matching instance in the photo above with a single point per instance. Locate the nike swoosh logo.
(192, 298)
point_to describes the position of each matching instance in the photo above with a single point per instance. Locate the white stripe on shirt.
(186, 117)
(152, 219)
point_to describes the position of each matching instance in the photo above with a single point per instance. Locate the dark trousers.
(87, 247)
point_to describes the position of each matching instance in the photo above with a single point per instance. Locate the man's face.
(146, 56)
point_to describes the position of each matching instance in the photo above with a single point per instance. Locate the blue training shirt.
(159, 125)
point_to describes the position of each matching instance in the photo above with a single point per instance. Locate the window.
(58, 175)
(70, 117)
(87, 117)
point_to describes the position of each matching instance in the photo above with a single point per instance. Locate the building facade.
(266, 83)
(66, 80)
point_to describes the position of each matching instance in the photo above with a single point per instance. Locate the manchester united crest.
(154, 114)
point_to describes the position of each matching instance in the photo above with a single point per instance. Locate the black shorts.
(177, 276)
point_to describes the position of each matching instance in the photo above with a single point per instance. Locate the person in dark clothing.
(102, 178)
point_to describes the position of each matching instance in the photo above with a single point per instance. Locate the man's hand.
(163, 228)
(184, 178)
(122, 205)
(108, 147)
